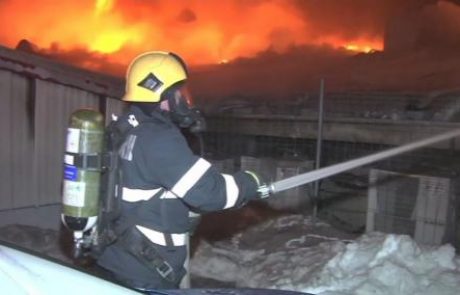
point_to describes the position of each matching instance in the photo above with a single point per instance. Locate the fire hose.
(311, 176)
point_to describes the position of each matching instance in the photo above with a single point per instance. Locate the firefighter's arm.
(195, 180)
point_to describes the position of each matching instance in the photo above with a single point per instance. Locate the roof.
(47, 69)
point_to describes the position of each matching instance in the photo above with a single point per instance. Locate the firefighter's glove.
(264, 189)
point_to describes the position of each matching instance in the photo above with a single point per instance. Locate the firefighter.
(163, 181)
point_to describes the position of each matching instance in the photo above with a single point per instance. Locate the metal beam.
(375, 131)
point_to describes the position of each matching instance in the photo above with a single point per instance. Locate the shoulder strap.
(115, 134)
(110, 187)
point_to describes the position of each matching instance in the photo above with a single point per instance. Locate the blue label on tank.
(70, 172)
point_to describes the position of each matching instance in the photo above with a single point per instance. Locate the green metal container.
(85, 138)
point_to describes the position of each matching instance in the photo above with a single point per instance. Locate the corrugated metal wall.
(54, 104)
(16, 143)
(33, 122)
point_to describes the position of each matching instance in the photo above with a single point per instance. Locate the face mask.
(183, 114)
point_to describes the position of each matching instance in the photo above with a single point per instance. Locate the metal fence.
(282, 141)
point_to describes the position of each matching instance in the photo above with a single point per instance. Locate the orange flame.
(364, 46)
(203, 32)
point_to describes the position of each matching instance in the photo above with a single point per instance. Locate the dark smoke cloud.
(440, 27)
(355, 18)
(349, 18)
(296, 75)
(186, 16)
(270, 75)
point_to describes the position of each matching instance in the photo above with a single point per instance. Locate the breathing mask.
(181, 110)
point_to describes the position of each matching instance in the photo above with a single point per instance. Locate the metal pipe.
(319, 141)
(321, 173)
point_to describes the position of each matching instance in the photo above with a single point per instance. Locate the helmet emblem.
(132, 120)
(151, 82)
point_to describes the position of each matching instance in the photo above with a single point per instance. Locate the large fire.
(203, 32)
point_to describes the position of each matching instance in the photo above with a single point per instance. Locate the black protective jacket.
(163, 183)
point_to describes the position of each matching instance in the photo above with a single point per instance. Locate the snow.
(387, 264)
(307, 256)
(294, 252)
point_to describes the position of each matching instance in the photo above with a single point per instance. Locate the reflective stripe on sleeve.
(136, 195)
(158, 238)
(232, 191)
(190, 178)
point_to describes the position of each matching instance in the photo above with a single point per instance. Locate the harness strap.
(84, 161)
(107, 230)
(163, 239)
(144, 251)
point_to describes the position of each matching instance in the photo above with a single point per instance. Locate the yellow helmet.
(151, 73)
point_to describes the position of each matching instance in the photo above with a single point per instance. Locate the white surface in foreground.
(22, 273)
(375, 264)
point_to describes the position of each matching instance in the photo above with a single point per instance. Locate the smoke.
(269, 75)
(440, 27)
(348, 19)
